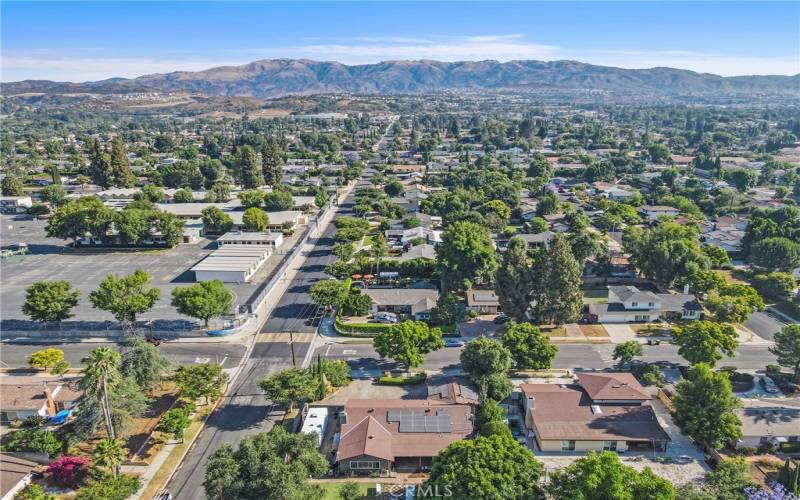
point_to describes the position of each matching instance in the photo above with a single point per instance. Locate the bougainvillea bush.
(68, 471)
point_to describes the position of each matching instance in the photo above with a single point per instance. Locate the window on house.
(610, 445)
(568, 445)
(634, 304)
(365, 464)
(651, 304)
(793, 438)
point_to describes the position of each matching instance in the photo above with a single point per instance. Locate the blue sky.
(96, 40)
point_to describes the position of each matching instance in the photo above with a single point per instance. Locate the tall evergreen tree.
(247, 168)
(513, 279)
(120, 168)
(272, 162)
(99, 169)
(556, 294)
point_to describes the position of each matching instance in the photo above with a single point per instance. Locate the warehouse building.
(232, 263)
(271, 240)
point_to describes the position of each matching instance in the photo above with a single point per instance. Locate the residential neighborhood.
(487, 277)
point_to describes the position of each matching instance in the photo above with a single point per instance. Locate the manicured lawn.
(554, 331)
(331, 490)
(595, 296)
(651, 329)
(593, 330)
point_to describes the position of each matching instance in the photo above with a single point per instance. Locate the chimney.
(531, 402)
(342, 417)
(50, 405)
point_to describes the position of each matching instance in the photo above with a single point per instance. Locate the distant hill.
(278, 77)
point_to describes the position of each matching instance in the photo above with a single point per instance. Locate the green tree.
(513, 279)
(496, 214)
(719, 256)
(289, 386)
(247, 170)
(82, 217)
(99, 168)
(556, 296)
(46, 358)
(776, 285)
(278, 200)
(604, 477)
(659, 153)
(787, 348)
(274, 465)
(219, 192)
(216, 221)
(734, 302)
(626, 351)
(12, 186)
(55, 194)
(153, 193)
(255, 219)
(528, 347)
(343, 250)
(408, 342)
(251, 198)
(109, 453)
(705, 407)
(393, 188)
(667, 253)
(45, 441)
(183, 195)
(144, 364)
(548, 204)
(110, 487)
(487, 362)
(350, 491)
(449, 310)
(329, 294)
(465, 257)
(705, 342)
(742, 179)
(776, 254)
(487, 468)
(272, 162)
(203, 300)
(120, 168)
(50, 301)
(100, 376)
(201, 381)
(127, 296)
(489, 418)
(356, 303)
(175, 420)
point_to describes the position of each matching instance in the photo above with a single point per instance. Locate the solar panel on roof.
(420, 421)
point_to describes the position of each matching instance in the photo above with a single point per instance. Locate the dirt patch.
(162, 400)
(593, 330)
(652, 329)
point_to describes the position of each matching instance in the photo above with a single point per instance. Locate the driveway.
(620, 332)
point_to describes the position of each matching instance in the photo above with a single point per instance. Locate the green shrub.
(388, 379)
(773, 370)
(790, 447)
(746, 451)
(60, 368)
(109, 487)
(360, 329)
(33, 421)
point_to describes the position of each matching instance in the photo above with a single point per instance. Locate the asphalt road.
(245, 410)
(364, 360)
(15, 354)
(764, 324)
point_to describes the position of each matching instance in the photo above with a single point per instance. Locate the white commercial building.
(232, 264)
(272, 240)
(316, 421)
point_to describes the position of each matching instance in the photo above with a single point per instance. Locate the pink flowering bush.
(68, 471)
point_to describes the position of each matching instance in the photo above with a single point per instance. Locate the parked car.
(454, 343)
(389, 318)
(156, 341)
(500, 319)
(769, 385)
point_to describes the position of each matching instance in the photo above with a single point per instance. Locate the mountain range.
(278, 77)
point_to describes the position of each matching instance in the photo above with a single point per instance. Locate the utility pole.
(291, 345)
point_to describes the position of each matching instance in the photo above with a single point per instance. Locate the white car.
(769, 385)
(389, 318)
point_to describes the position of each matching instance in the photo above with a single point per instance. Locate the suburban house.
(602, 411)
(453, 392)
(404, 236)
(765, 422)
(424, 251)
(15, 474)
(414, 302)
(23, 397)
(653, 212)
(378, 436)
(538, 240)
(615, 192)
(628, 304)
(483, 301)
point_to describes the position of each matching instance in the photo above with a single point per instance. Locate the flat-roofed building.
(272, 240)
(232, 263)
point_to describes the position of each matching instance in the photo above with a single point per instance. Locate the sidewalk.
(748, 337)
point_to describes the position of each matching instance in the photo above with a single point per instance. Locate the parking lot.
(52, 259)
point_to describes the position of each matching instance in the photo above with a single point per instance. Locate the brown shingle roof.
(566, 413)
(370, 417)
(620, 386)
(12, 471)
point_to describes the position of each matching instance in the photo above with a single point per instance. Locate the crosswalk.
(285, 337)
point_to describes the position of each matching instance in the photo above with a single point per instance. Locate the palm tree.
(110, 453)
(100, 374)
(378, 250)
